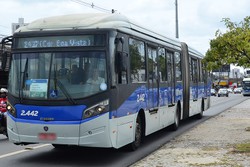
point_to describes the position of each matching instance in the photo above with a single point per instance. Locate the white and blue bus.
(246, 86)
(145, 82)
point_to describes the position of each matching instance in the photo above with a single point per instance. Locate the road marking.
(25, 150)
(13, 153)
(36, 147)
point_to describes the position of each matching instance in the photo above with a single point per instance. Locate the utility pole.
(176, 20)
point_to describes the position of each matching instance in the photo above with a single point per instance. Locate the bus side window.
(137, 61)
(162, 64)
(194, 70)
(200, 71)
(177, 60)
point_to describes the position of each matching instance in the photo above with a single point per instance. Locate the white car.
(237, 90)
(223, 92)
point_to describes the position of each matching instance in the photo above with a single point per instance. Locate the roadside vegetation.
(230, 47)
(242, 148)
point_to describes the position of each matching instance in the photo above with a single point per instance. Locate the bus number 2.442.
(33, 113)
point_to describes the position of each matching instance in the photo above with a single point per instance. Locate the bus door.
(194, 79)
(153, 80)
(171, 79)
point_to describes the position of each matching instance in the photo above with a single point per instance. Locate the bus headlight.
(96, 109)
(11, 109)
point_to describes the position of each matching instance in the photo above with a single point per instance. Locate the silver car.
(223, 92)
(237, 90)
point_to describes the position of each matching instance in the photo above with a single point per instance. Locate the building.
(20, 23)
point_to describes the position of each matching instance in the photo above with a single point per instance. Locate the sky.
(198, 20)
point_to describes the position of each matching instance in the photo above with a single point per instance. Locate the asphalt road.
(45, 155)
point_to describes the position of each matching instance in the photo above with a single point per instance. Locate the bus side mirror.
(4, 60)
(121, 61)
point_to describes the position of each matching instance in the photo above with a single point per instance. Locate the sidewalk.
(211, 144)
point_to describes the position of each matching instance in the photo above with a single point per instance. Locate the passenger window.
(194, 70)
(177, 61)
(170, 66)
(162, 64)
(137, 61)
(152, 63)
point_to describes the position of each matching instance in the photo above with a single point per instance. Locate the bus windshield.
(58, 75)
(246, 84)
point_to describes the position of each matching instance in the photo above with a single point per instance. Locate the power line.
(91, 5)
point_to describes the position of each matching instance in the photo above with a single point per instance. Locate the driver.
(95, 78)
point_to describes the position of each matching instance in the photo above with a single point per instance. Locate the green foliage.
(243, 147)
(231, 47)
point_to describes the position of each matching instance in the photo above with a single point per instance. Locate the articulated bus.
(100, 80)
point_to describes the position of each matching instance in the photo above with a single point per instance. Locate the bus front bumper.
(94, 133)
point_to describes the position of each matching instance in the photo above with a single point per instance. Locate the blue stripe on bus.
(55, 113)
(144, 98)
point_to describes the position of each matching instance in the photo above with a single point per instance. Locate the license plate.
(47, 136)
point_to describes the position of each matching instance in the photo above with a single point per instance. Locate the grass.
(242, 148)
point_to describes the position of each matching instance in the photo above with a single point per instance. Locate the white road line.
(13, 153)
(39, 146)
(21, 151)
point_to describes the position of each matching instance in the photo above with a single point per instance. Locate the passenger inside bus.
(95, 78)
(76, 75)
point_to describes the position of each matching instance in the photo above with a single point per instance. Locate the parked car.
(213, 92)
(223, 92)
(238, 90)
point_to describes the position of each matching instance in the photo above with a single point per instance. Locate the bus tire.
(138, 134)
(176, 123)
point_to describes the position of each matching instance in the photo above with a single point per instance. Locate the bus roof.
(77, 21)
(91, 21)
(97, 21)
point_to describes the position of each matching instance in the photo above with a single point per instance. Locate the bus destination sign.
(56, 41)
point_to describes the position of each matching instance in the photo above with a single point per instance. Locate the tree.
(232, 47)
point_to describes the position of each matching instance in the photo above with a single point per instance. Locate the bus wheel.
(138, 135)
(175, 126)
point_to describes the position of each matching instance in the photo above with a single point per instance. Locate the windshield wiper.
(63, 89)
(25, 72)
(25, 75)
(65, 92)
